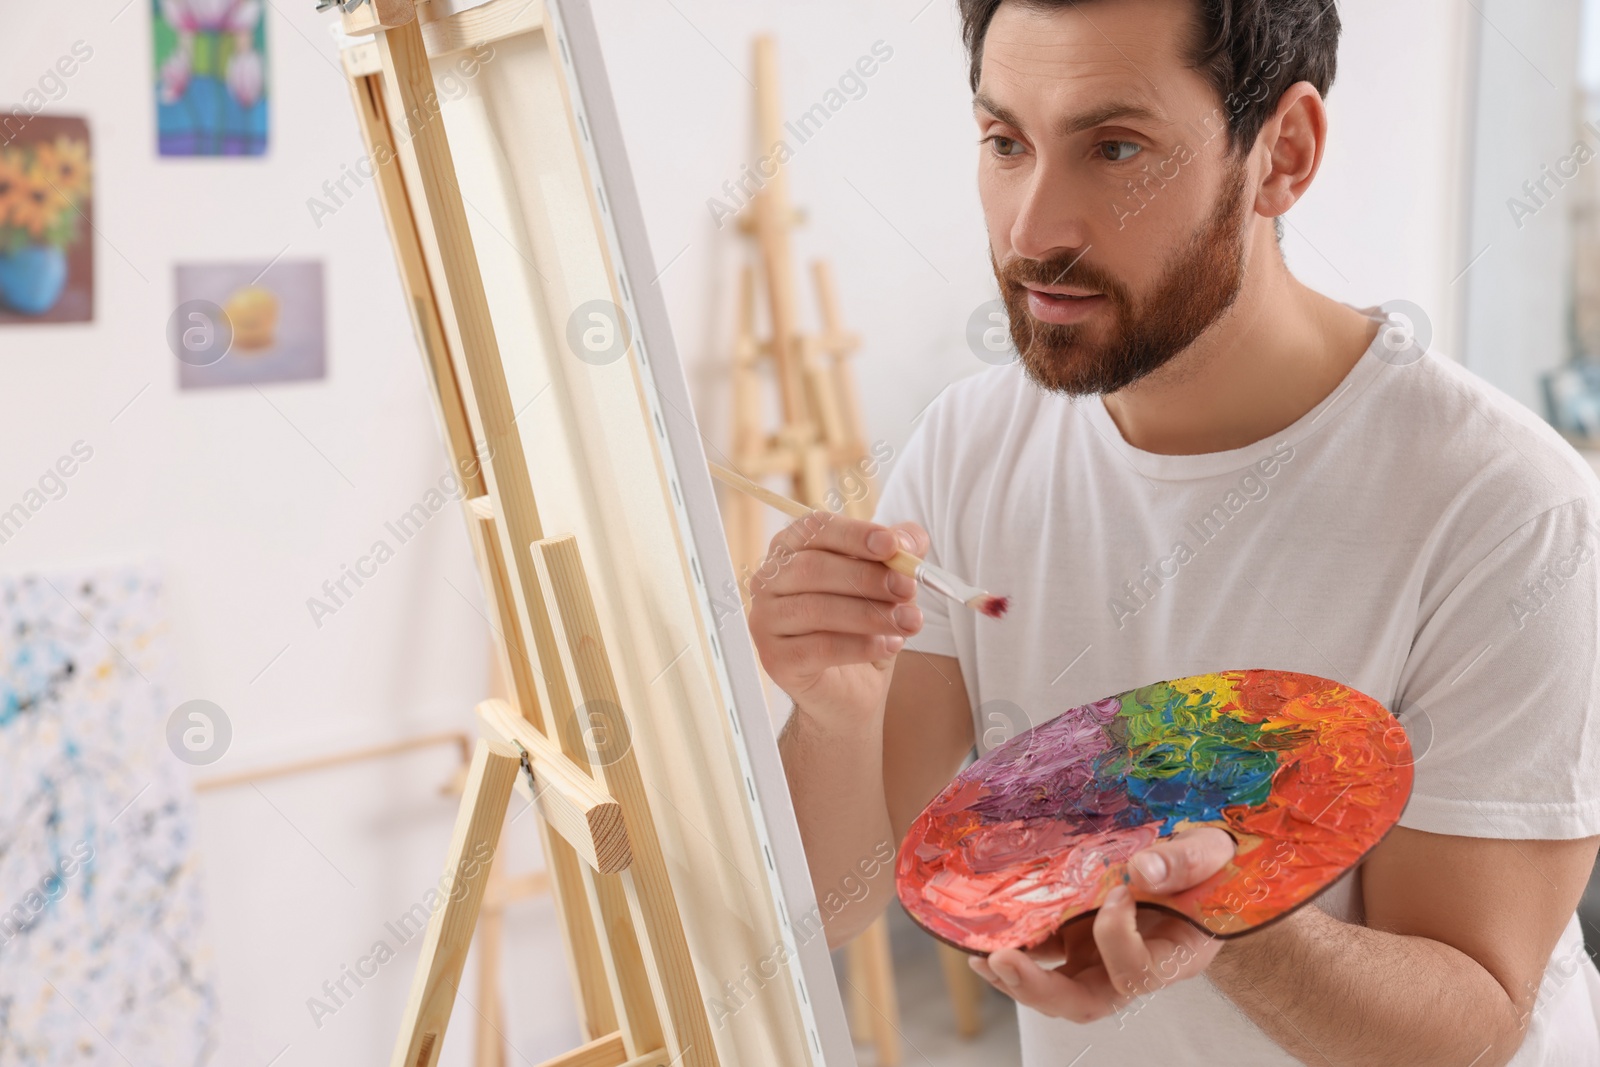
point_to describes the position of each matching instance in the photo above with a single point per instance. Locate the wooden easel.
(819, 433)
(589, 792)
(638, 998)
(819, 438)
(489, 1044)
(613, 453)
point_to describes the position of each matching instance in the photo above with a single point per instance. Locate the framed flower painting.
(46, 223)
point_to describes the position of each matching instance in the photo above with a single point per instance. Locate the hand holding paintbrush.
(927, 574)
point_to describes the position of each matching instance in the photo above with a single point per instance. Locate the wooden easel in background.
(818, 438)
(819, 432)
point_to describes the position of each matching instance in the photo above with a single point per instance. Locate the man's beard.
(1202, 283)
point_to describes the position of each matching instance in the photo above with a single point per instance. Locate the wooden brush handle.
(792, 508)
(904, 562)
(901, 561)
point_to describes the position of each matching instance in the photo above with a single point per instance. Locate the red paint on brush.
(995, 606)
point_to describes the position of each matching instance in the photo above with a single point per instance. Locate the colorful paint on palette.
(1306, 774)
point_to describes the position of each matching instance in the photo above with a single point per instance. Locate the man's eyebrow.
(1100, 116)
(981, 101)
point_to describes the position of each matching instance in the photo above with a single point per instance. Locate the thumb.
(919, 537)
(1183, 860)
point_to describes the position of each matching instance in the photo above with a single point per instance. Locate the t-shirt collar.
(1210, 464)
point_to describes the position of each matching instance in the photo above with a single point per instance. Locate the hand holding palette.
(1307, 774)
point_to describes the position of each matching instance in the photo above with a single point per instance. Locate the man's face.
(1117, 215)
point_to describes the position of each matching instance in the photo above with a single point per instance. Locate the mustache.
(1062, 269)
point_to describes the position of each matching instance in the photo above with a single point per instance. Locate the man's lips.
(1060, 290)
(1062, 304)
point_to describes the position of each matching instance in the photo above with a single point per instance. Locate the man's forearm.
(836, 780)
(1331, 992)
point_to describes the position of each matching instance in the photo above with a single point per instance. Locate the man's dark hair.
(1249, 50)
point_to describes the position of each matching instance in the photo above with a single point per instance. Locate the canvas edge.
(704, 541)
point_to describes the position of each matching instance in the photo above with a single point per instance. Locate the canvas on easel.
(694, 937)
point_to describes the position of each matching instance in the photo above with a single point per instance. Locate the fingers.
(1123, 952)
(831, 532)
(918, 545)
(1183, 860)
(1132, 955)
(1051, 955)
(815, 571)
(828, 531)
(806, 657)
(823, 597)
(1141, 957)
(805, 613)
(1081, 1000)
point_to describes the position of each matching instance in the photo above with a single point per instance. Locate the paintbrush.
(933, 577)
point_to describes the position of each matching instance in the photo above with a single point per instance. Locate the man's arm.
(829, 621)
(927, 733)
(877, 732)
(1447, 972)
(1459, 931)
(858, 783)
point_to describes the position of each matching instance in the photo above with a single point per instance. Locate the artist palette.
(1305, 773)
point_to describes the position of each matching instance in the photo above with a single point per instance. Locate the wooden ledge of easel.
(442, 34)
(607, 1051)
(570, 801)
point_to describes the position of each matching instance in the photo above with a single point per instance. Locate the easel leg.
(855, 962)
(874, 1000)
(444, 948)
(489, 1046)
(587, 960)
(637, 1017)
(513, 674)
(965, 992)
(663, 948)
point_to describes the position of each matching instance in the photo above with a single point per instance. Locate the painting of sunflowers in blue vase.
(46, 229)
(211, 77)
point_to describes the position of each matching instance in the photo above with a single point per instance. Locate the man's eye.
(1005, 146)
(1119, 151)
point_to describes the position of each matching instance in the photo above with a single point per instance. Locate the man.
(1200, 464)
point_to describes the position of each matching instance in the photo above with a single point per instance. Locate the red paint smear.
(1343, 778)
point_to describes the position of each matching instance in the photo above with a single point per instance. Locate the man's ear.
(1291, 144)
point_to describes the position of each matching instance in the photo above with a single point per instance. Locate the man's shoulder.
(988, 400)
(1464, 430)
(958, 436)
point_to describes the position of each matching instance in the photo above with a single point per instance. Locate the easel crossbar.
(569, 800)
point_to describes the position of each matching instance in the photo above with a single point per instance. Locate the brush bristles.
(992, 606)
(943, 582)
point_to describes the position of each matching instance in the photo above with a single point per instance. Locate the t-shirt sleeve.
(908, 497)
(1499, 692)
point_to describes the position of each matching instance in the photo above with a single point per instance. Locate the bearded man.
(1197, 463)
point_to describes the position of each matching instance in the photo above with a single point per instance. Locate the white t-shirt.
(1417, 535)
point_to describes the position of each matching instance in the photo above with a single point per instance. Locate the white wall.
(1518, 291)
(250, 501)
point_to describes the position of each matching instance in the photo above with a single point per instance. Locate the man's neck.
(1275, 355)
